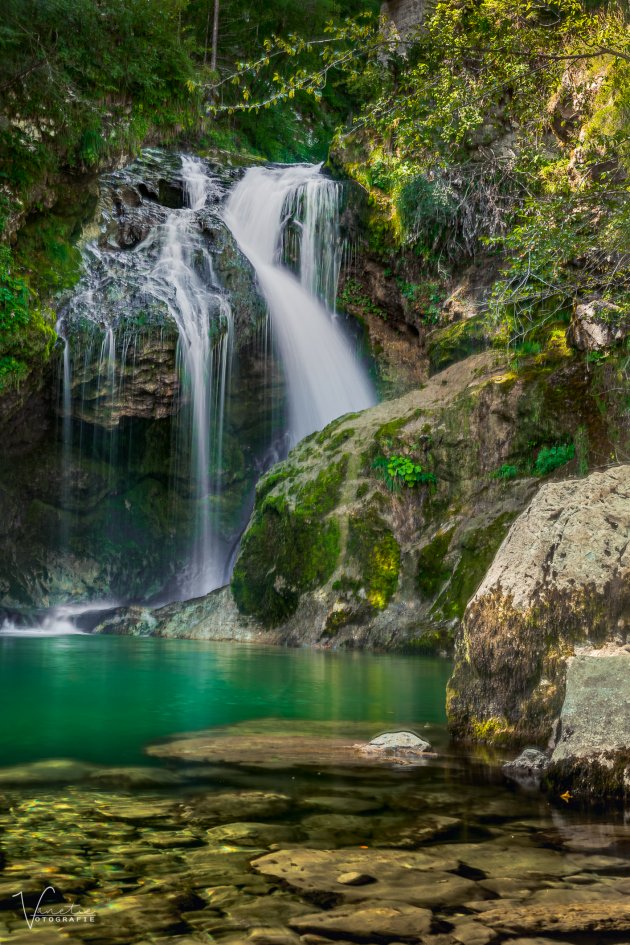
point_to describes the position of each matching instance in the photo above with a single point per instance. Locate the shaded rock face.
(561, 579)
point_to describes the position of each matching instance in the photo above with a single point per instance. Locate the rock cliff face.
(406, 15)
(560, 581)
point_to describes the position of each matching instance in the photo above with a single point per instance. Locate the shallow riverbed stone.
(573, 918)
(416, 878)
(382, 920)
(355, 879)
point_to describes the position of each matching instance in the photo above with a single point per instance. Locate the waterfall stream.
(161, 289)
(183, 278)
(324, 377)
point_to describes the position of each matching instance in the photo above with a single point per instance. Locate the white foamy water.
(324, 377)
(56, 622)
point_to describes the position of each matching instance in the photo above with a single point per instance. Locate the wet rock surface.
(231, 854)
(263, 746)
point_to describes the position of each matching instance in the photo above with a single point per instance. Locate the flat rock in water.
(571, 919)
(383, 919)
(416, 878)
(292, 744)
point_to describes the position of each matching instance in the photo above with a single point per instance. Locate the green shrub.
(398, 471)
(552, 457)
(506, 471)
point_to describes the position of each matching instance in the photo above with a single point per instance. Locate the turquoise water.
(103, 699)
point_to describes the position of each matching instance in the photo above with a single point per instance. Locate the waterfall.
(324, 377)
(171, 272)
(150, 294)
(184, 279)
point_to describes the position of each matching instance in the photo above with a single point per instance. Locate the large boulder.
(342, 550)
(560, 581)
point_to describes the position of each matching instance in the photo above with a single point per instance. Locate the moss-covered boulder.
(560, 581)
(378, 530)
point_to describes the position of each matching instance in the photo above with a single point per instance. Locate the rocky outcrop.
(560, 580)
(406, 15)
(597, 325)
(343, 550)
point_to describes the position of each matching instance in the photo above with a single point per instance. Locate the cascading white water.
(171, 269)
(277, 215)
(324, 377)
(184, 279)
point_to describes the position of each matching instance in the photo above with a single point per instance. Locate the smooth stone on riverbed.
(251, 834)
(572, 918)
(396, 746)
(382, 920)
(415, 878)
(355, 879)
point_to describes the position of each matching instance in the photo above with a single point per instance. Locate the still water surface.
(102, 699)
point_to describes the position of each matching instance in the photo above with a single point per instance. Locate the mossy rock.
(373, 547)
(455, 342)
(290, 546)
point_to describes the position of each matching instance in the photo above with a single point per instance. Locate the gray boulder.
(399, 747)
(560, 581)
(597, 325)
(591, 758)
(528, 768)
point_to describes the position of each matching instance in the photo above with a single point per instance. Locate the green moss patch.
(432, 573)
(290, 547)
(376, 551)
(455, 342)
(478, 548)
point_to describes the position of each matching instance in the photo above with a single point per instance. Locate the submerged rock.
(421, 879)
(384, 920)
(528, 768)
(561, 579)
(294, 746)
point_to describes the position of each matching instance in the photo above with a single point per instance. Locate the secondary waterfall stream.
(324, 377)
(184, 279)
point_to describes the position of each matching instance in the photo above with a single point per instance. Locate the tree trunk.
(215, 36)
(205, 45)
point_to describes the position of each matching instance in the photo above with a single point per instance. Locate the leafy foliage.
(398, 471)
(506, 471)
(552, 457)
(500, 127)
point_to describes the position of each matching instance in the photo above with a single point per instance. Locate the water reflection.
(102, 699)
